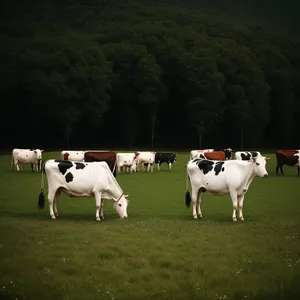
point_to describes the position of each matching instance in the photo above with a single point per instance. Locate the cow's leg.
(158, 166)
(102, 210)
(170, 165)
(32, 165)
(281, 170)
(151, 167)
(51, 198)
(119, 169)
(198, 208)
(233, 195)
(298, 171)
(98, 205)
(194, 201)
(57, 194)
(240, 204)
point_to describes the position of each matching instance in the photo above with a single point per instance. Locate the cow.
(246, 155)
(196, 153)
(145, 158)
(72, 155)
(227, 152)
(32, 156)
(220, 178)
(214, 155)
(109, 156)
(289, 158)
(82, 179)
(126, 161)
(168, 158)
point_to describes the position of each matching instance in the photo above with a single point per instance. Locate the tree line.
(83, 74)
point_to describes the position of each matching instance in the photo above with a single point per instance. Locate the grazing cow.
(196, 153)
(145, 158)
(289, 158)
(82, 179)
(227, 152)
(220, 178)
(109, 156)
(72, 155)
(32, 156)
(168, 158)
(246, 155)
(215, 155)
(125, 162)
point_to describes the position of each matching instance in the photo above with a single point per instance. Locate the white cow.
(72, 155)
(82, 179)
(145, 158)
(220, 178)
(22, 156)
(125, 162)
(196, 153)
(246, 155)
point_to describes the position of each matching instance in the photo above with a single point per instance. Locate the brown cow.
(108, 156)
(289, 158)
(215, 155)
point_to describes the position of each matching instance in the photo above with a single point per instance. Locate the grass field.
(160, 252)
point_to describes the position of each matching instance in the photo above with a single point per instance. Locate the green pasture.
(160, 252)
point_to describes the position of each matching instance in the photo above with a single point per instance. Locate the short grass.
(160, 252)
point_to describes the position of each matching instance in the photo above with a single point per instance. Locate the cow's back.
(215, 155)
(110, 157)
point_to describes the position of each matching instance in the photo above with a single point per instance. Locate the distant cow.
(214, 155)
(126, 162)
(220, 178)
(108, 156)
(145, 158)
(23, 156)
(77, 179)
(289, 158)
(196, 153)
(168, 158)
(246, 155)
(227, 152)
(72, 155)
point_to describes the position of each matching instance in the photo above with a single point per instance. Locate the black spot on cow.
(218, 167)
(64, 165)
(79, 165)
(69, 177)
(245, 156)
(223, 169)
(204, 165)
(254, 153)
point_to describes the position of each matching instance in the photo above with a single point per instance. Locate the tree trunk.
(200, 138)
(152, 131)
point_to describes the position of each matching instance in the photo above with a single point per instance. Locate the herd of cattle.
(93, 174)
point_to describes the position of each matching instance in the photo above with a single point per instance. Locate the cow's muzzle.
(266, 175)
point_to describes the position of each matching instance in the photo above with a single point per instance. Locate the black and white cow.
(168, 158)
(220, 178)
(82, 179)
(246, 155)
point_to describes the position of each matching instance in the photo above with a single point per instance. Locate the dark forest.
(152, 74)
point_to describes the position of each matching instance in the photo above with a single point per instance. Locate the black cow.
(287, 157)
(168, 158)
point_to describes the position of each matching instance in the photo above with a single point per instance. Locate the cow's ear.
(126, 196)
(267, 158)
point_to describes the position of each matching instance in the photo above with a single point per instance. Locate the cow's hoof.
(98, 219)
(200, 217)
(52, 218)
(101, 217)
(234, 219)
(195, 217)
(242, 218)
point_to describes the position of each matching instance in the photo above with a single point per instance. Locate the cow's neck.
(249, 174)
(113, 188)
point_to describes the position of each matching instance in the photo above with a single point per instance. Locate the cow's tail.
(188, 198)
(114, 169)
(41, 199)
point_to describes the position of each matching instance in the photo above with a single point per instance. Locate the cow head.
(260, 166)
(175, 158)
(120, 206)
(38, 153)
